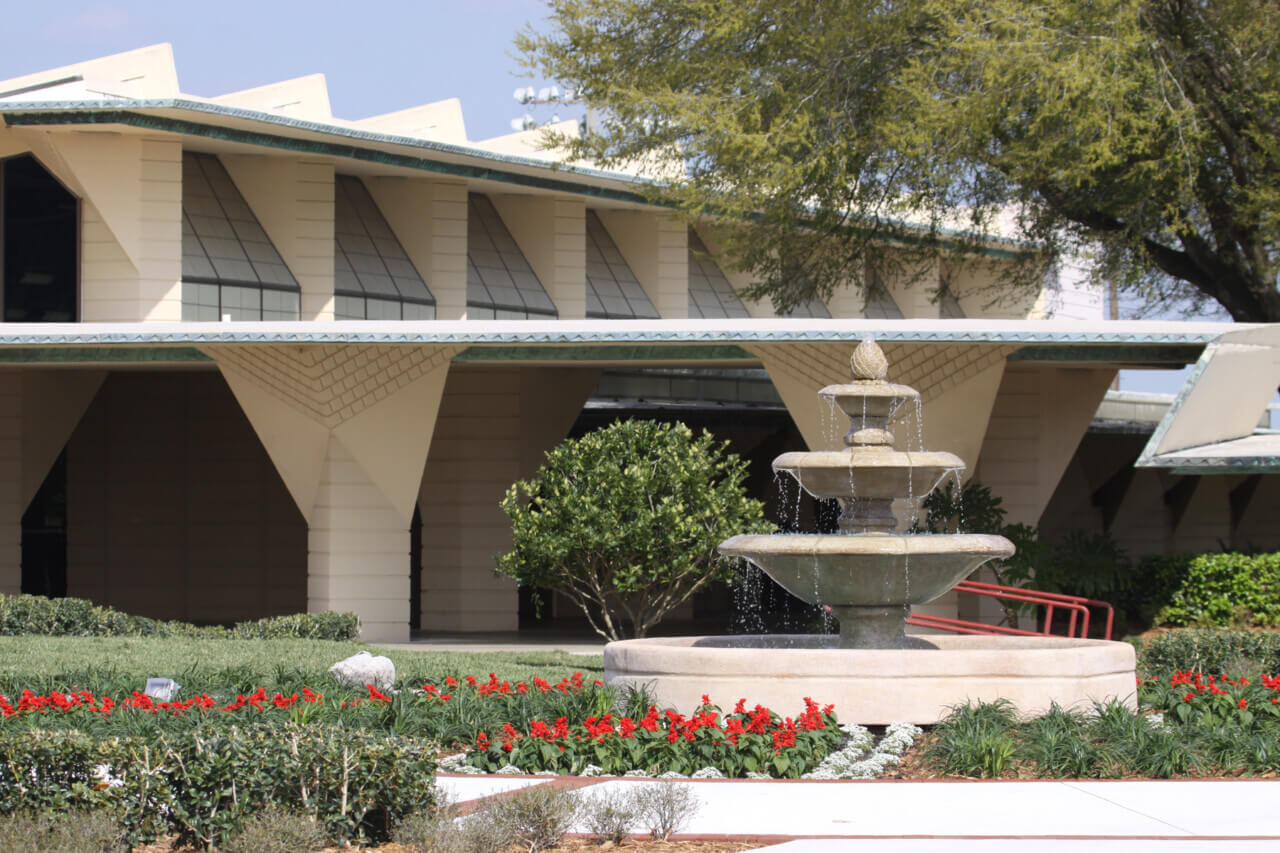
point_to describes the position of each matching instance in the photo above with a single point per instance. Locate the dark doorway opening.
(415, 570)
(44, 536)
(39, 244)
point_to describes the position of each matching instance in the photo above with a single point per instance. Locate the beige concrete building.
(257, 359)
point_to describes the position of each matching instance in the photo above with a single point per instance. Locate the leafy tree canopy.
(625, 521)
(855, 134)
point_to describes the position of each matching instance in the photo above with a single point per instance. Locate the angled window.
(613, 291)
(229, 265)
(711, 295)
(500, 283)
(39, 244)
(879, 304)
(814, 308)
(373, 278)
(949, 307)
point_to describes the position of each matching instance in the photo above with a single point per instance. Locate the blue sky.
(377, 56)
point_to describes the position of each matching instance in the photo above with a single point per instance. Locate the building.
(258, 359)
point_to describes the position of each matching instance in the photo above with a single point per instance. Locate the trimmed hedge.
(1228, 590)
(1209, 650)
(77, 617)
(204, 785)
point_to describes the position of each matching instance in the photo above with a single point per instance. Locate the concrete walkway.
(963, 817)
(509, 641)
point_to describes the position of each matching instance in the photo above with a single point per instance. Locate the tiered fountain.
(869, 575)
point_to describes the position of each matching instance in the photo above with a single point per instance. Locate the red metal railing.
(1074, 606)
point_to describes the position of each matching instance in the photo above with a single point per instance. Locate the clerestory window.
(39, 244)
(613, 291)
(710, 293)
(500, 283)
(373, 278)
(230, 268)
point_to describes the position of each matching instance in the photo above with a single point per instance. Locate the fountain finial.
(868, 364)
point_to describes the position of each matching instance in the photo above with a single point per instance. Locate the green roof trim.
(603, 353)
(52, 113)
(1183, 354)
(104, 355)
(312, 146)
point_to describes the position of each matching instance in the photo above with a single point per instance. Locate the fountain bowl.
(872, 570)
(881, 473)
(875, 686)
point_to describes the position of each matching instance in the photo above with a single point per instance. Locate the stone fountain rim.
(868, 388)
(827, 544)
(872, 457)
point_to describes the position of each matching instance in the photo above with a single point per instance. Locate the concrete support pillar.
(552, 234)
(38, 412)
(1040, 415)
(348, 429)
(131, 221)
(495, 425)
(656, 247)
(293, 200)
(430, 220)
(357, 549)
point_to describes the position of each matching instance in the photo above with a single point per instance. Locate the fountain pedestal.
(874, 686)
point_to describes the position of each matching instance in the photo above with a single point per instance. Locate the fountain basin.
(872, 570)
(875, 686)
(868, 473)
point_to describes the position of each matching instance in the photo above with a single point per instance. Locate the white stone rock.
(363, 668)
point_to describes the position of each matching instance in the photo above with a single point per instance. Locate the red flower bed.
(756, 740)
(1189, 695)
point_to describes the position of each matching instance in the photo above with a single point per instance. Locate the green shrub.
(75, 617)
(72, 832)
(202, 786)
(1227, 590)
(1211, 651)
(625, 521)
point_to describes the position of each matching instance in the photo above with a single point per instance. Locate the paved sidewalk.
(965, 817)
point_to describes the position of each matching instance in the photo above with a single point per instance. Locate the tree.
(856, 134)
(625, 521)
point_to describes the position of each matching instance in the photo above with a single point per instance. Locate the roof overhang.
(1211, 428)
(700, 342)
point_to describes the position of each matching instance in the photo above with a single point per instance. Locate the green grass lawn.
(113, 664)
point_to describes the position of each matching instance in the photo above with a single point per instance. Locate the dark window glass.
(373, 277)
(710, 293)
(613, 291)
(39, 243)
(229, 265)
(500, 283)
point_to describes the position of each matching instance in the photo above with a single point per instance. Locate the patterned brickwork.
(330, 383)
(932, 369)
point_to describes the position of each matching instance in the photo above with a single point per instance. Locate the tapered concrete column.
(429, 219)
(131, 220)
(38, 411)
(348, 429)
(357, 548)
(551, 232)
(293, 200)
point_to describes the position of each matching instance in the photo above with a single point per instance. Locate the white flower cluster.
(509, 770)
(708, 773)
(863, 758)
(457, 763)
(671, 774)
(592, 770)
(635, 773)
